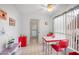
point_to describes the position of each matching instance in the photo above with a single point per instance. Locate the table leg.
(51, 50)
(65, 51)
(43, 46)
(46, 48)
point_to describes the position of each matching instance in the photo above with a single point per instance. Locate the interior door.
(34, 30)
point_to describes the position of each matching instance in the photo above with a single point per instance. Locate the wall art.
(3, 15)
(12, 22)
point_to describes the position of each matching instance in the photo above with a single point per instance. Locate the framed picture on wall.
(12, 22)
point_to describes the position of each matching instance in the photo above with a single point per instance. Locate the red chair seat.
(56, 47)
(62, 45)
(73, 53)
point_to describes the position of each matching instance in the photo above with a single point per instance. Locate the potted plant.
(51, 34)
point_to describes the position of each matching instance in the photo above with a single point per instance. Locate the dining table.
(48, 41)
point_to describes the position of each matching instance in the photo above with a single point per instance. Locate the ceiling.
(42, 9)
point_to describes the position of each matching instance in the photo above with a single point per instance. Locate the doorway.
(33, 31)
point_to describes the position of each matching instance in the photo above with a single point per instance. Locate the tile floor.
(32, 49)
(35, 49)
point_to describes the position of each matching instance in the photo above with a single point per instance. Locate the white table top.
(48, 38)
(51, 38)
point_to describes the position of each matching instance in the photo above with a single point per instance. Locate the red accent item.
(73, 53)
(56, 47)
(23, 40)
(59, 47)
(53, 35)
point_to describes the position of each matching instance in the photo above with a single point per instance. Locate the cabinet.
(23, 41)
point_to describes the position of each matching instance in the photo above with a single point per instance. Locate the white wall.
(43, 29)
(10, 31)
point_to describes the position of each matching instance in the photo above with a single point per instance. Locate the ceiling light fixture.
(50, 7)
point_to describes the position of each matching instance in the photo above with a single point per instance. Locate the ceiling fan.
(49, 7)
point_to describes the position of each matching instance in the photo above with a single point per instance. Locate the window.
(67, 25)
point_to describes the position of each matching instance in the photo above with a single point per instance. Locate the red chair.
(61, 46)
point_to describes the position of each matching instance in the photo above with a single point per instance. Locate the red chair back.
(63, 43)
